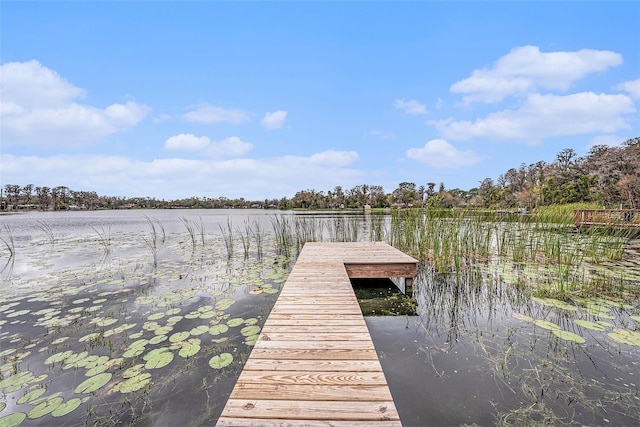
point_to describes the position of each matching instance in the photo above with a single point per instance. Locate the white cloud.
(544, 116)
(632, 87)
(171, 178)
(410, 107)
(334, 158)
(37, 108)
(161, 118)
(440, 154)
(229, 147)
(210, 114)
(188, 142)
(610, 140)
(525, 69)
(274, 120)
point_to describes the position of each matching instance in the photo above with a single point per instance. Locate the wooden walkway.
(608, 218)
(314, 363)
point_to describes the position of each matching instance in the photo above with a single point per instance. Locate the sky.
(262, 99)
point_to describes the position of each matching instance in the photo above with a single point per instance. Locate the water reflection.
(465, 358)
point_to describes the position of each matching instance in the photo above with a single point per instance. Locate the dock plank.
(314, 363)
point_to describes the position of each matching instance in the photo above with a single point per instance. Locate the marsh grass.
(104, 238)
(157, 237)
(47, 230)
(227, 236)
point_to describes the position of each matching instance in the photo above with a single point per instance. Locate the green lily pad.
(164, 330)
(158, 359)
(94, 383)
(133, 371)
(32, 395)
(17, 381)
(199, 330)
(250, 330)
(552, 302)
(221, 361)
(44, 408)
(156, 316)
(135, 383)
(12, 420)
(179, 336)
(190, 348)
(218, 329)
(58, 357)
(568, 336)
(157, 339)
(173, 311)
(235, 322)
(66, 407)
(223, 304)
(635, 318)
(590, 325)
(626, 336)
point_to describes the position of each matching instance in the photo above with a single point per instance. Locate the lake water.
(113, 317)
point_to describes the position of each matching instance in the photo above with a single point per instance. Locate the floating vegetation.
(625, 336)
(221, 361)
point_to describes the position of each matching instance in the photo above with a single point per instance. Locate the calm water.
(164, 323)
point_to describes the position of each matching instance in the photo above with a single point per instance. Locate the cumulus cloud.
(171, 178)
(526, 69)
(274, 120)
(38, 108)
(440, 154)
(334, 158)
(206, 113)
(543, 116)
(632, 87)
(188, 142)
(410, 107)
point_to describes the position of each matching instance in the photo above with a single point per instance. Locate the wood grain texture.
(314, 363)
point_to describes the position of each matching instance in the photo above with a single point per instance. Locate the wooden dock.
(612, 218)
(314, 363)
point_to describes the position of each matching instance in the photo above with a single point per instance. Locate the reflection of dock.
(315, 363)
(614, 218)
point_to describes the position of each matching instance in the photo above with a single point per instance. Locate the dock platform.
(314, 363)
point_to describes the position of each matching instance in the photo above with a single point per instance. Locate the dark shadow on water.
(381, 297)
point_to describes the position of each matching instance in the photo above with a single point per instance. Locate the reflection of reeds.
(46, 229)
(195, 229)
(156, 230)
(8, 241)
(104, 238)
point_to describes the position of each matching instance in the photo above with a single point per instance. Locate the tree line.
(607, 176)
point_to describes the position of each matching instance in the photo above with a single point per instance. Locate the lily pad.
(568, 336)
(223, 304)
(179, 336)
(218, 329)
(625, 336)
(12, 420)
(190, 348)
(66, 407)
(133, 371)
(32, 395)
(158, 359)
(135, 383)
(250, 330)
(235, 322)
(94, 383)
(199, 330)
(44, 408)
(221, 361)
(590, 325)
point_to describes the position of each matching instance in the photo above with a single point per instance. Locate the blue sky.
(262, 99)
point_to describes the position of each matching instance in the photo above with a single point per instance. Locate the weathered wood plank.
(318, 410)
(262, 422)
(312, 365)
(369, 393)
(314, 353)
